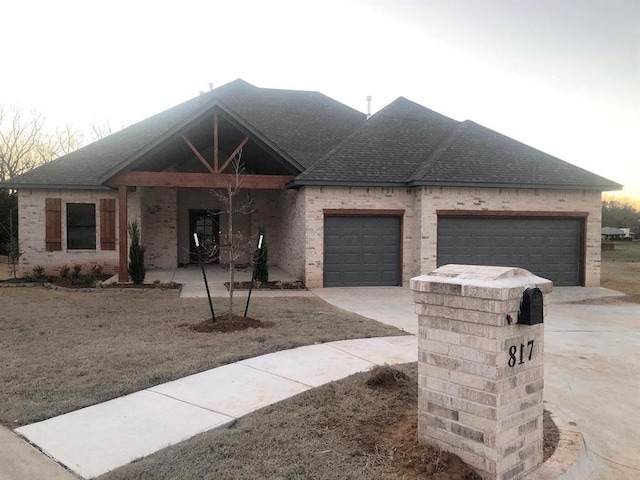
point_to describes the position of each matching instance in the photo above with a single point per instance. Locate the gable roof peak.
(403, 105)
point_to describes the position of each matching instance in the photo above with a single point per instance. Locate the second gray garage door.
(548, 247)
(361, 251)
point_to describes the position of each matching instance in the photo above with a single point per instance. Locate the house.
(611, 233)
(345, 200)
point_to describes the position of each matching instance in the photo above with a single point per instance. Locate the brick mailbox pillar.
(480, 371)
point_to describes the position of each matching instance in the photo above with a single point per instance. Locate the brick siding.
(31, 228)
(294, 221)
(419, 237)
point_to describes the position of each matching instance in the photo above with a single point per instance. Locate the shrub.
(96, 270)
(76, 271)
(64, 271)
(38, 271)
(260, 258)
(137, 270)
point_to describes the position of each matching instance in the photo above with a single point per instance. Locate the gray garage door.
(361, 251)
(548, 247)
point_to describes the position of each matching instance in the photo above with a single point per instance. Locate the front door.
(206, 223)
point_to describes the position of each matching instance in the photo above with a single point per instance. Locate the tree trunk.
(231, 254)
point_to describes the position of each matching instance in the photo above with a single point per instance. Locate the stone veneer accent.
(471, 402)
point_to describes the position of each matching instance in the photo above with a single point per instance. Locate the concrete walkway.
(592, 374)
(96, 439)
(390, 305)
(21, 461)
(217, 275)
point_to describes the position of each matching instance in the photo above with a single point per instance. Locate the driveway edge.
(20, 460)
(571, 459)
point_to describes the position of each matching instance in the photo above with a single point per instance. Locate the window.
(81, 226)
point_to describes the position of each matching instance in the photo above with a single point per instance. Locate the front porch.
(188, 183)
(193, 284)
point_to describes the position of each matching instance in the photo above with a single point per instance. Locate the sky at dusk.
(560, 75)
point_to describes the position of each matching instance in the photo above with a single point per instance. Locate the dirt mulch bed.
(275, 285)
(364, 426)
(550, 435)
(85, 282)
(223, 324)
(144, 286)
(20, 280)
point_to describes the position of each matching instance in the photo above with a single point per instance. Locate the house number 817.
(513, 350)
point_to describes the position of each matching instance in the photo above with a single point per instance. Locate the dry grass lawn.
(349, 429)
(621, 269)
(60, 351)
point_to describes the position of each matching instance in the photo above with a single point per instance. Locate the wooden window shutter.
(108, 224)
(53, 221)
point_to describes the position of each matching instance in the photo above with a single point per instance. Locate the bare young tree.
(25, 145)
(12, 245)
(236, 244)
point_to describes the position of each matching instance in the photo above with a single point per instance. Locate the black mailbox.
(531, 307)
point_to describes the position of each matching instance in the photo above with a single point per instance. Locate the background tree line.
(27, 143)
(621, 213)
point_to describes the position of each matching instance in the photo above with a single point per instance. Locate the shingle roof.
(85, 166)
(476, 155)
(303, 125)
(404, 144)
(386, 149)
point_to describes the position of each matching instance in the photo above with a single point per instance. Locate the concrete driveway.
(592, 364)
(592, 357)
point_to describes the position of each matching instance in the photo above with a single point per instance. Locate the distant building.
(611, 233)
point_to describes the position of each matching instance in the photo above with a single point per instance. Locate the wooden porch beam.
(215, 142)
(197, 154)
(123, 269)
(198, 180)
(235, 152)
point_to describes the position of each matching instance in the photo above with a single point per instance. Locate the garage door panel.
(549, 247)
(361, 250)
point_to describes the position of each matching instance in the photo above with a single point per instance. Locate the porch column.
(123, 270)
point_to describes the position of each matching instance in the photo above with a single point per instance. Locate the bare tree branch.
(100, 129)
(24, 144)
(237, 244)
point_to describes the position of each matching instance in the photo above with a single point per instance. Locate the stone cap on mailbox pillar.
(480, 281)
(481, 373)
